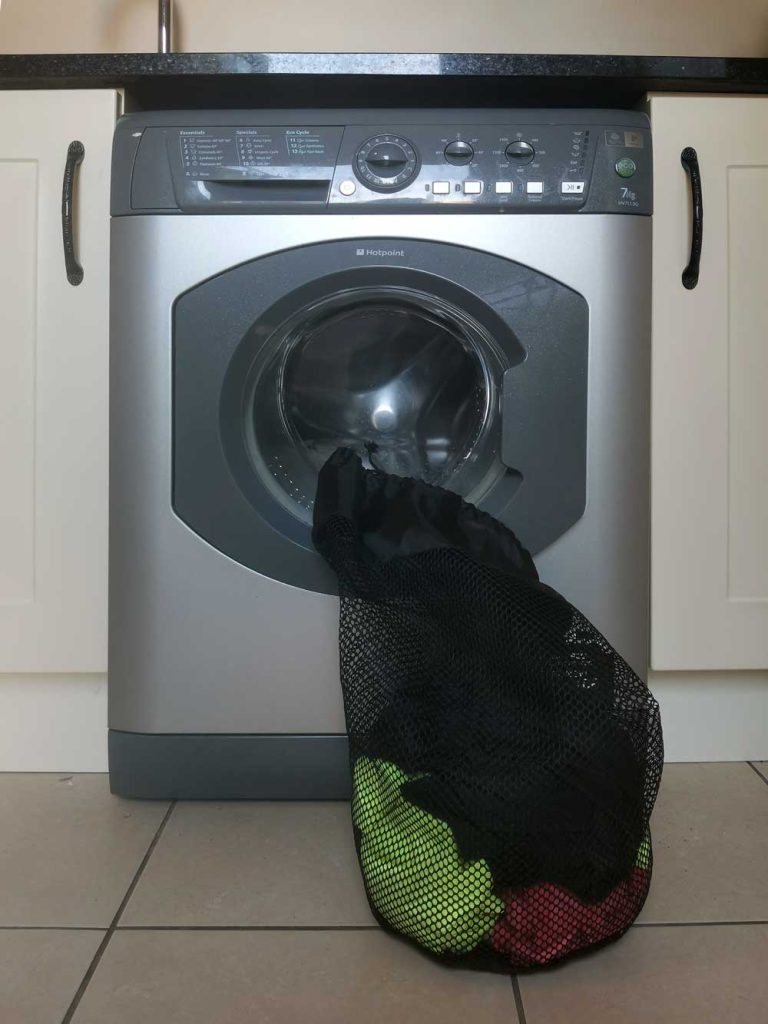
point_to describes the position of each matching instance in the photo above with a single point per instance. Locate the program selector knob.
(387, 159)
(520, 152)
(458, 152)
(386, 163)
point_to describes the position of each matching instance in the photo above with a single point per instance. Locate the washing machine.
(458, 295)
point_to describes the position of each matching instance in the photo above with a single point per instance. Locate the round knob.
(387, 159)
(386, 163)
(458, 152)
(520, 152)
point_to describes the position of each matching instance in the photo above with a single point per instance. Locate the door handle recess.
(690, 162)
(75, 154)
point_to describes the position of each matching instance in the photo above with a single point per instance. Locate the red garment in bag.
(545, 922)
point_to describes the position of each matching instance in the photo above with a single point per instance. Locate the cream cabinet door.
(53, 384)
(710, 388)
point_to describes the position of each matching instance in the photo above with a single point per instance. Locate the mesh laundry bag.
(505, 758)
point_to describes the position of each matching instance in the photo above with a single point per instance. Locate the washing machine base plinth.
(192, 766)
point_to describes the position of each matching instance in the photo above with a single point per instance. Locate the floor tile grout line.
(696, 924)
(72, 1009)
(249, 928)
(376, 928)
(315, 927)
(51, 928)
(758, 773)
(518, 1000)
(140, 869)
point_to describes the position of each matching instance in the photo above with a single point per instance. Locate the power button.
(625, 167)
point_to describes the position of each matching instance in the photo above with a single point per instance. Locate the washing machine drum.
(402, 379)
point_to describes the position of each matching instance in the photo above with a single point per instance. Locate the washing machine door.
(419, 366)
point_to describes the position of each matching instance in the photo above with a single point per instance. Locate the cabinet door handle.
(690, 162)
(75, 155)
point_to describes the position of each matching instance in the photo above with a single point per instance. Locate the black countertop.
(382, 79)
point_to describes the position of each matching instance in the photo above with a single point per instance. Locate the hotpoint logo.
(379, 252)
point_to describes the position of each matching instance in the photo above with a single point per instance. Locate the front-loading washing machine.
(460, 296)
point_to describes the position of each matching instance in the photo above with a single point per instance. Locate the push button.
(441, 188)
(473, 188)
(504, 188)
(625, 167)
(534, 188)
(347, 187)
(569, 188)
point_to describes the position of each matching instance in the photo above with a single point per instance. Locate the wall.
(701, 27)
(53, 723)
(713, 716)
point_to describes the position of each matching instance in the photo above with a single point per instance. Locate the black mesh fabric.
(505, 758)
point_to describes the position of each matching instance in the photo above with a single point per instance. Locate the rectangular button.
(504, 188)
(441, 188)
(534, 188)
(572, 187)
(473, 188)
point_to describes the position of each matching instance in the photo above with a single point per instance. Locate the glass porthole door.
(407, 381)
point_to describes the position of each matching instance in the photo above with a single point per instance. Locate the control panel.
(503, 167)
(531, 161)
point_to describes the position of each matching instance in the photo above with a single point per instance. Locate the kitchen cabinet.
(709, 607)
(53, 383)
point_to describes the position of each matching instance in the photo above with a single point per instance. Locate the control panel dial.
(458, 152)
(386, 163)
(520, 152)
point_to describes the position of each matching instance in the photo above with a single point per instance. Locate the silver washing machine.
(460, 295)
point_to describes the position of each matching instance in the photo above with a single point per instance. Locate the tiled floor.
(117, 912)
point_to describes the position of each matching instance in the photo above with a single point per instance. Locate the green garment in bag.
(644, 854)
(413, 872)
